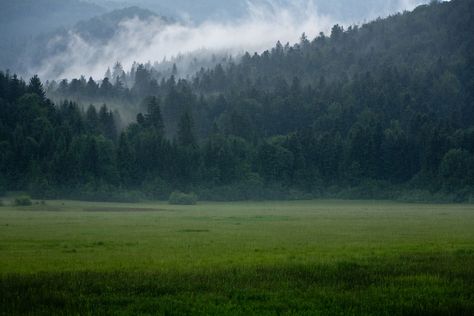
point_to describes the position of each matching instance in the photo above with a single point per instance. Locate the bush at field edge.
(23, 201)
(179, 198)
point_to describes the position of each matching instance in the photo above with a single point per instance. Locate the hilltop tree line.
(382, 110)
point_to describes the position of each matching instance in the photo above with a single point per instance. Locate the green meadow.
(252, 258)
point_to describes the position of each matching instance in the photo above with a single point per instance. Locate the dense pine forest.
(382, 110)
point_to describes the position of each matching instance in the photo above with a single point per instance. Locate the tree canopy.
(370, 111)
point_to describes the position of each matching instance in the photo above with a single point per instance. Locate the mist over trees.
(384, 110)
(44, 36)
(23, 20)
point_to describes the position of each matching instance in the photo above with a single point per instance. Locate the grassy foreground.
(304, 258)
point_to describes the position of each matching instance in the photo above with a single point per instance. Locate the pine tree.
(174, 70)
(186, 136)
(92, 119)
(107, 122)
(154, 117)
(125, 160)
(106, 88)
(36, 87)
(108, 74)
(91, 88)
(117, 71)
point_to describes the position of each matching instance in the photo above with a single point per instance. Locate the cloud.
(266, 22)
(152, 40)
(409, 4)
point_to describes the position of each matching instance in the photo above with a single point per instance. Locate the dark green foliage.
(22, 201)
(457, 168)
(409, 284)
(154, 118)
(186, 136)
(179, 198)
(389, 103)
(36, 87)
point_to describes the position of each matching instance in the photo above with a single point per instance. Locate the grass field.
(278, 258)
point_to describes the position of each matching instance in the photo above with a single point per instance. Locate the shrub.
(179, 198)
(23, 201)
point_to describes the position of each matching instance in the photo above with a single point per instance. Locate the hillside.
(53, 50)
(22, 20)
(385, 110)
(439, 34)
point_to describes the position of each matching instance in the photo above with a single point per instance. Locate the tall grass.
(411, 284)
(262, 258)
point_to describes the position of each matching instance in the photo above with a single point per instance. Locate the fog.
(263, 24)
(347, 10)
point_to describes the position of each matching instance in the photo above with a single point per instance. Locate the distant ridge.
(20, 21)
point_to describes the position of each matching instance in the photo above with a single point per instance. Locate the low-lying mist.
(152, 39)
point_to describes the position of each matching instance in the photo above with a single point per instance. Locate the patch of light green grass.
(78, 236)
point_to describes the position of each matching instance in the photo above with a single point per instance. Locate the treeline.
(65, 150)
(381, 111)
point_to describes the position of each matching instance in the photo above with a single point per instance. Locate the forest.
(382, 110)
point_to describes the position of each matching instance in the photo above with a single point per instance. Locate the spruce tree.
(186, 136)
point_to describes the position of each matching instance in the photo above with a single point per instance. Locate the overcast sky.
(351, 11)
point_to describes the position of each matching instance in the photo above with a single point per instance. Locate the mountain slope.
(22, 20)
(428, 35)
(92, 33)
(381, 111)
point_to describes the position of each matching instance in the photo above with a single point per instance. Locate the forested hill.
(385, 110)
(23, 20)
(96, 32)
(436, 37)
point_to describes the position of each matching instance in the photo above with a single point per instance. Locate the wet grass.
(291, 258)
